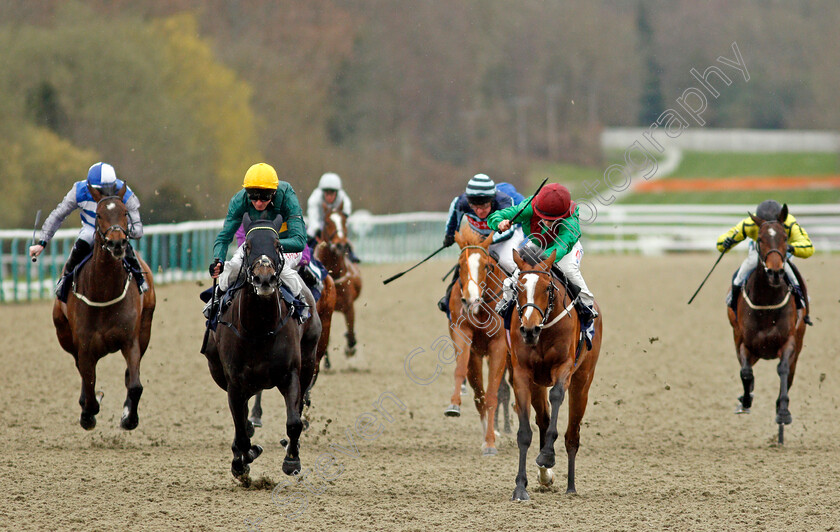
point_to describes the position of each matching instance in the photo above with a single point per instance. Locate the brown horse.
(477, 331)
(105, 312)
(332, 250)
(767, 324)
(258, 345)
(324, 307)
(544, 354)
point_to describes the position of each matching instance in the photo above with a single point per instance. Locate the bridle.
(115, 227)
(488, 267)
(552, 288)
(263, 261)
(763, 259)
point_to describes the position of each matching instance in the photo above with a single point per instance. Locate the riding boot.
(734, 293)
(799, 297)
(586, 314)
(443, 304)
(81, 249)
(135, 269)
(352, 255)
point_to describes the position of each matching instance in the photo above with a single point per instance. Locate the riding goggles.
(260, 194)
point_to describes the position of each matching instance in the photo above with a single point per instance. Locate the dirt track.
(660, 447)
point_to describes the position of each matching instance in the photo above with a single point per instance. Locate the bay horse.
(768, 325)
(333, 250)
(258, 345)
(324, 307)
(477, 331)
(105, 312)
(546, 352)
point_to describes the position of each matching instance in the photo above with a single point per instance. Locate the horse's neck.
(258, 314)
(759, 289)
(334, 262)
(103, 275)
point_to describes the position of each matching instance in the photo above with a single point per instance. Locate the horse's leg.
(475, 377)
(495, 374)
(578, 397)
(462, 338)
(555, 397)
(256, 412)
(86, 363)
(243, 452)
(132, 356)
(350, 318)
(504, 401)
(539, 400)
(782, 413)
(747, 380)
(522, 392)
(294, 424)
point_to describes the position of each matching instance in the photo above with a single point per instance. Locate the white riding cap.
(330, 181)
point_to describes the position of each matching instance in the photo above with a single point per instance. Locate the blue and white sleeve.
(58, 215)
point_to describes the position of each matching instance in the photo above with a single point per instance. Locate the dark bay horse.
(258, 345)
(544, 354)
(768, 325)
(477, 331)
(324, 307)
(105, 312)
(332, 250)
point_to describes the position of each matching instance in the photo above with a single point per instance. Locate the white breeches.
(751, 262)
(570, 266)
(288, 275)
(504, 249)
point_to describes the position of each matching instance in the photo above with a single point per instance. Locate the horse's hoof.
(87, 422)
(291, 467)
(305, 424)
(249, 428)
(349, 351)
(254, 452)
(452, 411)
(464, 388)
(284, 443)
(238, 468)
(255, 421)
(741, 410)
(544, 460)
(99, 395)
(545, 476)
(784, 418)
(129, 422)
(571, 491)
(520, 494)
(489, 451)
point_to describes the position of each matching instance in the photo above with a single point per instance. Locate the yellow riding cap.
(261, 175)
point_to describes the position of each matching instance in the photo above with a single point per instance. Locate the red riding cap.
(554, 202)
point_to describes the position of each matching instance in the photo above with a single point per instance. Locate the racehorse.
(258, 345)
(332, 250)
(104, 313)
(324, 307)
(768, 324)
(547, 352)
(477, 331)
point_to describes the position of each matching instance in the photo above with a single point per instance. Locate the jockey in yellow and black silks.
(799, 245)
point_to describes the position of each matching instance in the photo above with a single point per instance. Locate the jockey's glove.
(728, 243)
(448, 240)
(212, 268)
(790, 249)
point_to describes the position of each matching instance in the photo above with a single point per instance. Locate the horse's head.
(111, 221)
(334, 232)
(771, 246)
(475, 266)
(263, 254)
(536, 293)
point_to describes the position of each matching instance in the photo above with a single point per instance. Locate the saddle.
(64, 290)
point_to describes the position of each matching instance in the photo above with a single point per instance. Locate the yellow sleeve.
(798, 238)
(738, 233)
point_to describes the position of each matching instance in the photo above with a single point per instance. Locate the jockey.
(551, 222)
(799, 245)
(328, 195)
(480, 199)
(102, 177)
(263, 197)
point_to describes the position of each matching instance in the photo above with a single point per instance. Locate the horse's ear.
(784, 213)
(756, 220)
(122, 191)
(94, 193)
(487, 241)
(518, 260)
(550, 260)
(246, 222)
(278, 222)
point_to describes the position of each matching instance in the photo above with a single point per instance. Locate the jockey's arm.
(454, 218)
(135, 225)
(233, 219)
(287, 205)
(798, 239)
(346, 204)
(67, 205)
(737, 233)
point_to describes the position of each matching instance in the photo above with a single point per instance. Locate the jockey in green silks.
(552, 223)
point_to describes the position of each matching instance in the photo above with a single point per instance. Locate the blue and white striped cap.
(102, 175)
(481, 186)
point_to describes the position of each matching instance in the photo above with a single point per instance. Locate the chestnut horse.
(332, 250)
(258, 345)
(324, 307)
(768, 325)
(477, 331)
(546, 353)
(105, 312)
